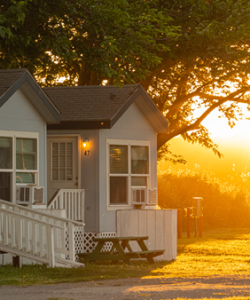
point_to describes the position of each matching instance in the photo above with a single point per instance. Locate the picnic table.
(121, 250)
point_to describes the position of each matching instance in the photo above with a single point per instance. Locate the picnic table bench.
(118, 250)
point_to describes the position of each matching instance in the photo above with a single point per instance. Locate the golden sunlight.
(218, 127)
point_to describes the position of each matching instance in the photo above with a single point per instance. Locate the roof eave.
(78, 125)
(156, 118)
(26, 81)
(147, 107)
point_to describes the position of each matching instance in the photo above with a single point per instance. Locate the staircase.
(37, 235)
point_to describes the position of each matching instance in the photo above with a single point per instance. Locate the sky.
(219, 128)
(233, 143)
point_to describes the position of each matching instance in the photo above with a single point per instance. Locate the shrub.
(224, 204)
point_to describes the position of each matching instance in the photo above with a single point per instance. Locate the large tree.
(208, 67)
(186, 53)
(86, 41)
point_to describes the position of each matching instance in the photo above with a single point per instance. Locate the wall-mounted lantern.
(85, 145)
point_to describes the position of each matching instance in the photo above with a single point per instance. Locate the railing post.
(60, 198)
(12, 231)
(19, 234)
(51, 249)
(41, 239)
(71, 235)
(5, 229)
(27, 236)
(82, 205)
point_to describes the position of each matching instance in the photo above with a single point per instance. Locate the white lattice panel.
(84, 241)
(78, 239)
(88, 244)
(108, 245)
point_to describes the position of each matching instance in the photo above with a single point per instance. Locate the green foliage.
(224, 204)
(84, 40)
(207, 68)
(188, 54)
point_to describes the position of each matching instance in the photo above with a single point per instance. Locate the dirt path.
(134, 288)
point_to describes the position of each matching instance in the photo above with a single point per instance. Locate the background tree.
(187, 54)
(85, 40)
(207, 68)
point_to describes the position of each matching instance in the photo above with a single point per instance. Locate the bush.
(224, 204)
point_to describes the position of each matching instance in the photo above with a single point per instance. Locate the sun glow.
(218, 127)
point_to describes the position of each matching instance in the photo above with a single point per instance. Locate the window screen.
(26, 154)
(138, 181)
(24, 177)
(118, 159)
(139, 160)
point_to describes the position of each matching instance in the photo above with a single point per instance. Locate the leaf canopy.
(187, 54)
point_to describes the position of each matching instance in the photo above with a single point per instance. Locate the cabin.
(77, 153)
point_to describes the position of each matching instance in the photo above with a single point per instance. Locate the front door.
(62, 169)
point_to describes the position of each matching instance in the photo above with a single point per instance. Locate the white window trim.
(128, 143)
(14, 135)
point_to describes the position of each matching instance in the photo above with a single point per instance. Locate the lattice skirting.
(89, 244)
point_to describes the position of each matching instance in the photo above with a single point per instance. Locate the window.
(5, 186)
(62, 161)
(128, 167)
(26, 160)
(5, 153)
(139, 159)
(18, 161)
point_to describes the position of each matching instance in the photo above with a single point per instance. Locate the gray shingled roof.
(8, 78)
(82, 107)
(89, 103)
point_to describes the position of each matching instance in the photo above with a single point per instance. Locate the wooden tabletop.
(128, 238)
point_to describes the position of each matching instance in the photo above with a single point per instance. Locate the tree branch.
(162, 138)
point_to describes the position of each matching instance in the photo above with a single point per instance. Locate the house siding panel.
(89, 174)
(131, 126)
(18, 114)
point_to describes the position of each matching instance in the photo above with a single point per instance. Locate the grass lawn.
(219, 252)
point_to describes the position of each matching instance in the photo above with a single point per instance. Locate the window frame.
(14, 135)
(129, 175)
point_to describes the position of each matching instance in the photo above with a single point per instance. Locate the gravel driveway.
(134, 288)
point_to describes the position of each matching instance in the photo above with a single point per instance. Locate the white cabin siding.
(89, 168)
(131, 126)
(19, 115)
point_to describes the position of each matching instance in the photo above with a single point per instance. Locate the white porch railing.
(72, 200)
(37, 235)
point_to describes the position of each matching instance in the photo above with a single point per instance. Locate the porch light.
(85, 143)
